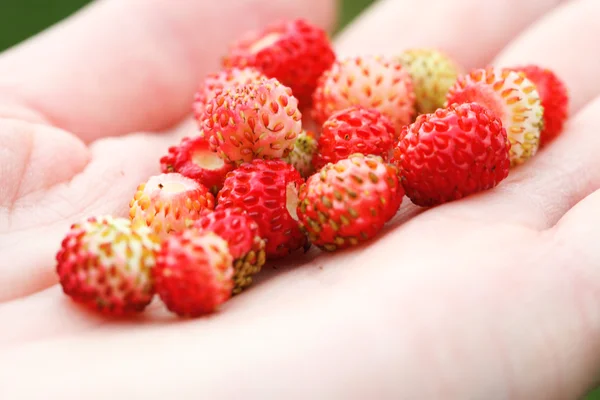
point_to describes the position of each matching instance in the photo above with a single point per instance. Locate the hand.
(494, 296)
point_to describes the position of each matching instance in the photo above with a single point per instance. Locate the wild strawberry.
(452, 153)
(106, 264)
(169, 203)
(294, 52)
(243, 237)
(513, 98)
(554, 97)
(354, 130)
(302, 156)
(371, 82)
(257, 120)
(193, 159)
(267, 191)
(432, 73)
(348, 202)
(194, 273)
(216, 82)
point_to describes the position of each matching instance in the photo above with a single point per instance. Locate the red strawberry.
(354, 130)
(169, 203)
(192, 158)
(243, 237)
(452, 153)
(554, 97)
(106, 264)
(294, 52)
(257, 120)
(216, 82)
(511, 97)
(267, 191)
(372, 82)
(193, 273)
(349, 202)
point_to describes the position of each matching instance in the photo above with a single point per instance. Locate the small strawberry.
(193, 159)
(302, 156)
(257, 120)
(216, 82)
(371, 82)
(169, 203)
(267, 191)
(354, 130)
(554, 97)
(452, 153)
(513, 98)
(348, 202)
(194, 273)
(106, 264)
(294, 52)
(432, 73)
(243, 237)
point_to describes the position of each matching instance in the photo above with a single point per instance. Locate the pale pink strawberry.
(257, 120)
(216, 82)
(372, 82)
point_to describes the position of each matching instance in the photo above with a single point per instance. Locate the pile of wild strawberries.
(255, 185)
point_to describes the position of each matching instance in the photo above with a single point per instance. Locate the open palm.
(494, 296)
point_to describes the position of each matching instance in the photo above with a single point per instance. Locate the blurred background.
(20, 19)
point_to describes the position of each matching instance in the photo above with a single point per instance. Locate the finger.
(576, 234)
(102, 183)
(567, 51)
(471, 31)
(538, 193)
(121, 66)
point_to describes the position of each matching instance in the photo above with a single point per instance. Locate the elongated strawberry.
(554, 97)
(193, 159)
(243, 237)
(452, 153)
(372, 82)
(106, 264)
(169, 203)
(433, 73)
(194, 273)
(267, 191)
(301, 156)
(216, 82)
(513, 98)
(354, 130)
(348, 202)
(294, 52)
(257, 120)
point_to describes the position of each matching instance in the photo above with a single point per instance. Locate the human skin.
(496, 296)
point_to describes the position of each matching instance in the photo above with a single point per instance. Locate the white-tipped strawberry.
(216, 82)
(511, 97)
(169, 203)
(193, 158)
(106, 264)
(257, 120)
(302, 156)
(372, 82)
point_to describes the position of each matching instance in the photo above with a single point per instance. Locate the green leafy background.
(19, 19)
